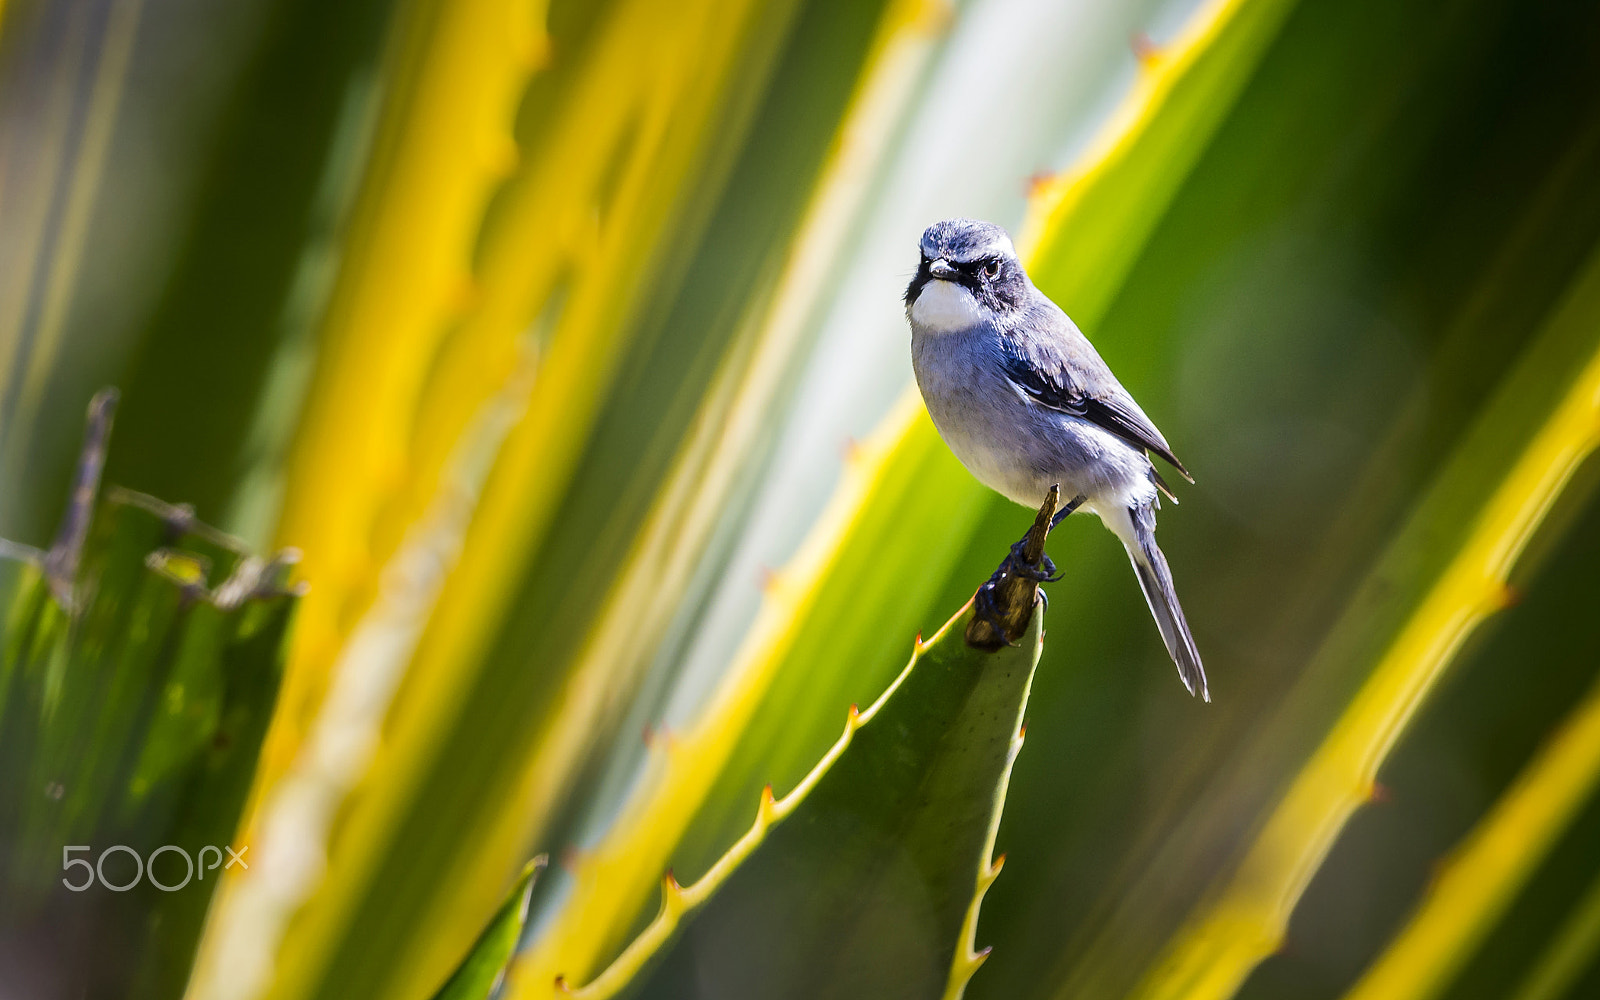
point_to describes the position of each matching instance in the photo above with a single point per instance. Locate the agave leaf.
(722, 440)
(136, 696)
(1234, 330)
(1447, 570)
(214, 240)
(480, 973)
(1568, 952)
(443, 142)
(894, 827)
(622, 162)
(260, 246)
(613, 879)
(1483, 876)
(1088, 224)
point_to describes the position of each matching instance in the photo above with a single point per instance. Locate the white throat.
(945, 307)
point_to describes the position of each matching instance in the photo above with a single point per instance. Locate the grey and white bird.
(1025, 402)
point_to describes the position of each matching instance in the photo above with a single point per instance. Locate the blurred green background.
(565, 344)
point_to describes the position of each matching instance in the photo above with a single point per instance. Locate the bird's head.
(969, 273)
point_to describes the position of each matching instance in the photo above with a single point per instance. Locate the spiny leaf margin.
(1246, 918)
(679, 901)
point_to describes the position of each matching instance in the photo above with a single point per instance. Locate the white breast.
(945, 307)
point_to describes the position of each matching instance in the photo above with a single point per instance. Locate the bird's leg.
(1072, 505)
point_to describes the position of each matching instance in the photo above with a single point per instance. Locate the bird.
(1026, 403)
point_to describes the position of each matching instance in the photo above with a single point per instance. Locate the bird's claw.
(1017, 565)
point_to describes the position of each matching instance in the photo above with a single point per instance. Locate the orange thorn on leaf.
(1144, 49)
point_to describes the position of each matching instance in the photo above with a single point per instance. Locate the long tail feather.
(1155, 578)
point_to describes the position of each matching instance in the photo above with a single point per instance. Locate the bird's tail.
(1156, 580)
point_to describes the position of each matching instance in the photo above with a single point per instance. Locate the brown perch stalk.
(1003, 606)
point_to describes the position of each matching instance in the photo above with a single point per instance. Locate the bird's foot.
(1016, 564)
(1002, 607)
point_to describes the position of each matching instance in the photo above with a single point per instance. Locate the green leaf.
(885, 551)
(480, 972)
(1276, 302)
(1568, 953)
(493, 691)
(134, 695)
(1091, 222)
(864, 880)
(1443, 575)
(1477, 885)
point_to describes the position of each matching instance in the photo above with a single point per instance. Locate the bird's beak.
(942, 270)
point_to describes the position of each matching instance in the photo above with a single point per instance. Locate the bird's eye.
(991, 268)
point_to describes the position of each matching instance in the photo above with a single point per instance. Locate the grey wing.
(1040, 368)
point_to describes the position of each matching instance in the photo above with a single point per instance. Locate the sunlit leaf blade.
(859, 881)
(618, 173)
(1447, 570)
(480, 973)
(443, 142)
(1481, 878)
(660, 570)
(1088, 224)
(827, 598)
